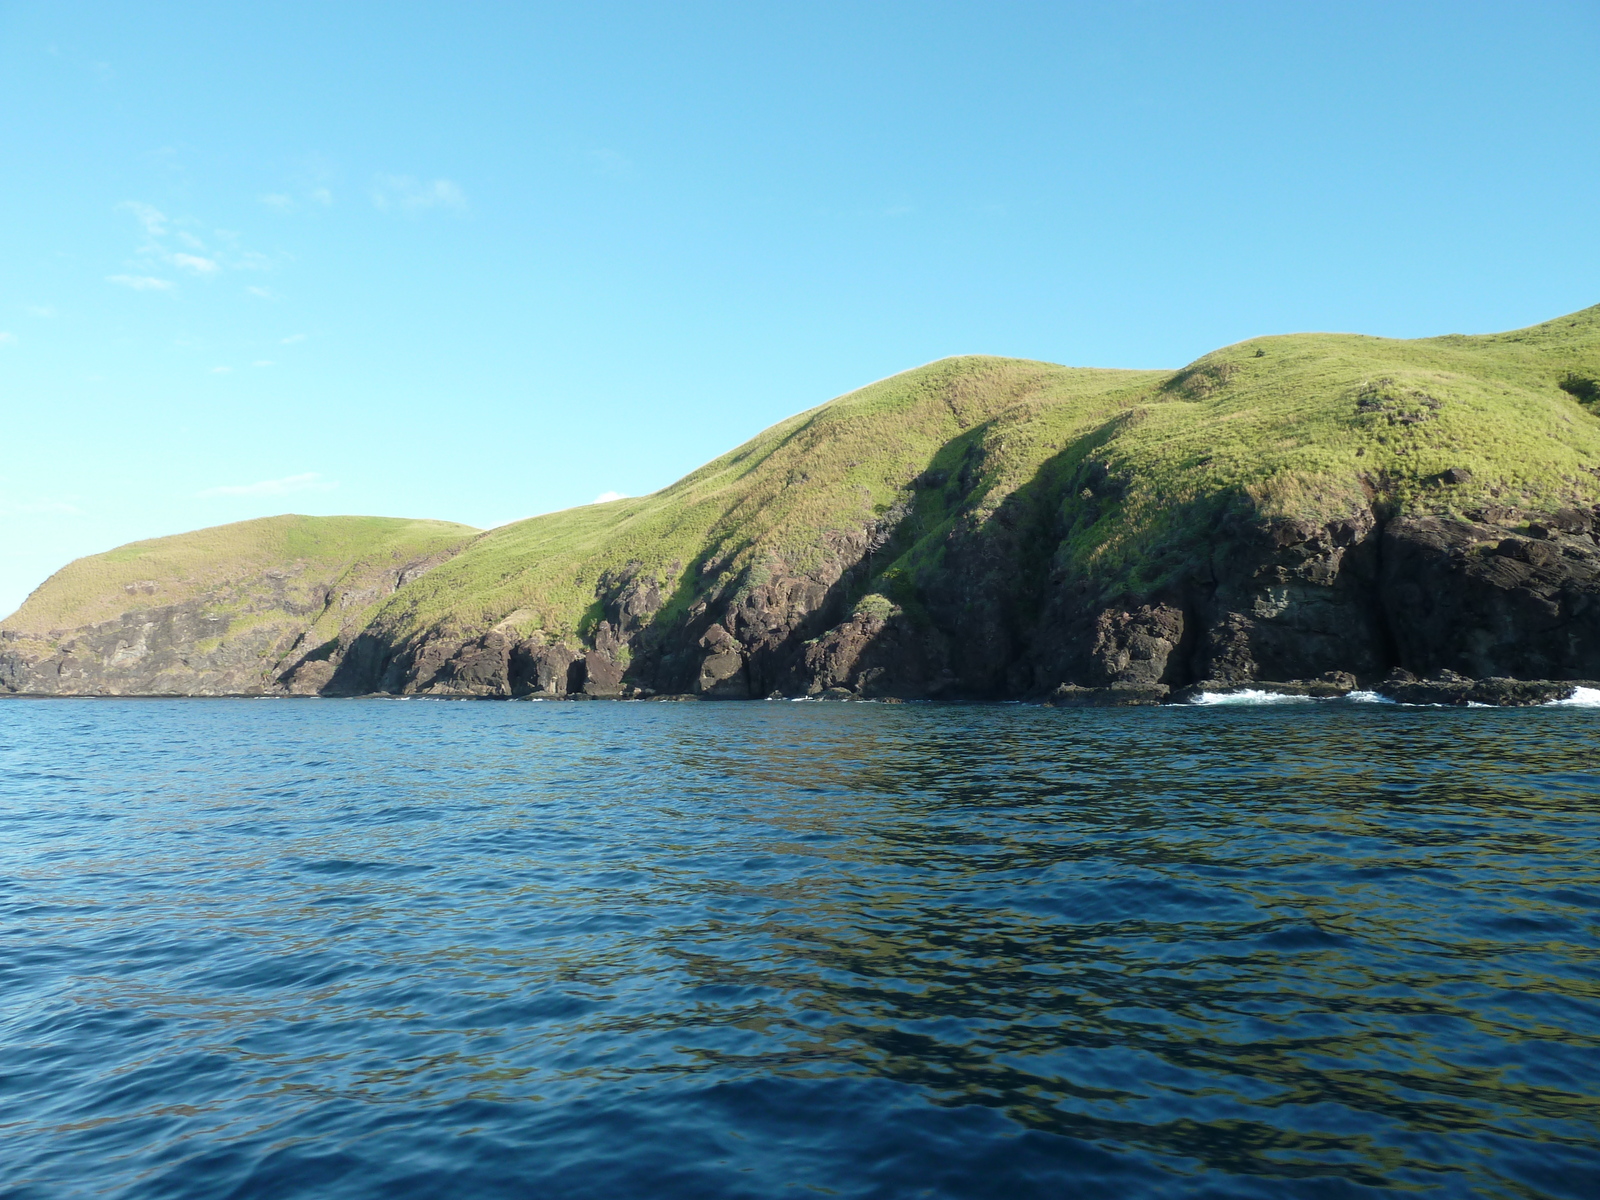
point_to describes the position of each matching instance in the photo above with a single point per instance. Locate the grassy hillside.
(1118, 479)
(1307, 425)
(777, 498)
(302, 557)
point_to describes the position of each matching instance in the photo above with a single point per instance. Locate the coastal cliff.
(1316, 511)
(219, 612)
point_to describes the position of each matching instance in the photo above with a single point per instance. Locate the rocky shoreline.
(1481, 609)
(1449, 690)
(1309, 515)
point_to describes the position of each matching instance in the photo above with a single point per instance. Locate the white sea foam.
(1247, 696)
(1582, 698)
(1368, 698)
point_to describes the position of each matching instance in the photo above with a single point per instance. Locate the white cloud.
(195, 263)
(221, 370)
(263, 362)
(141, 283)
(152, 218)
(284, 202)
(7, 339)
(608, 497)
(195, 254)
(42, 310)
(264, 293)
(292, 339)
(416, 195)
(41, 507)
(309, 482)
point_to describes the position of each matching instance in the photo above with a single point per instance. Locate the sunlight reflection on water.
(376, 949)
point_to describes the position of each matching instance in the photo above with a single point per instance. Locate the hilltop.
(216, 611)
(1286, 508)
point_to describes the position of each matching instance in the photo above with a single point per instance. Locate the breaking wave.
(1247, 696)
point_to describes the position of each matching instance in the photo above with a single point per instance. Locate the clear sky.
(481, 261)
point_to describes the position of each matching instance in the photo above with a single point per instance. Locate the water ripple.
(612, 950)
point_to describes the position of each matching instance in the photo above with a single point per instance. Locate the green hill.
(995, 526)
(1122, 476)
(224, 604)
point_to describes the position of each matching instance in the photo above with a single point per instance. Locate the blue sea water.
(418, 949)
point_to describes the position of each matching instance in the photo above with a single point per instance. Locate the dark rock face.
(1136, 648)
(1467, 597)
(251, 636)
(178, 649)
(535, 669)
(1447, 687)
(1292, 601)
(1428, 608)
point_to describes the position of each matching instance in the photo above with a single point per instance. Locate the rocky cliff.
(1314, 511)
(249, 609)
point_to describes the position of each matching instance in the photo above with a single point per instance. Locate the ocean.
(388, 948)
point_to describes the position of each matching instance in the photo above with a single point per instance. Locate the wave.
(1581, 698)
(1247, 696)
(1257, 696)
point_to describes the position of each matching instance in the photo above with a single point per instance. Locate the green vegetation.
(1132, 469)
(782, 499)
(1121, 477)
(254, 568)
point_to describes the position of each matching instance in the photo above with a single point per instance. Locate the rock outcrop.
(1307, 609)
(1310, 514)
(265, 607)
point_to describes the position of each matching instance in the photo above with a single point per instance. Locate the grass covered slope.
(216, 610)
(786, 498)
(1279, 509)
(306, 552)
(1313, 426)
(1137, 466)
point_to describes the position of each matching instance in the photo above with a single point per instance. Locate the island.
(1312, 513)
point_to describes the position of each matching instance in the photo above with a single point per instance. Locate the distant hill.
(1281, 509)
(217, 611)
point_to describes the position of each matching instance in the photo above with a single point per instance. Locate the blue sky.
(482, 261)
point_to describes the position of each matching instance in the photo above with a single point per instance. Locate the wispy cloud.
(292, 339)
(184, 244)
(264, 293)
(284, 202)
(413, 195)
(263, 362)
(142, 283)
(221, 370)
(152, 218)
(41, 507)
(289, 484)
(7, 339)
(196, 263)
(45, 311)
(608, 497)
